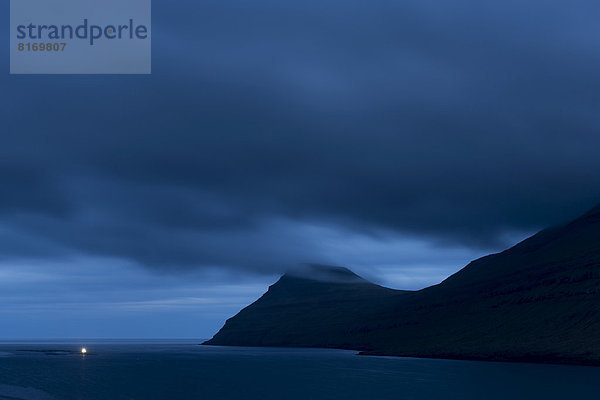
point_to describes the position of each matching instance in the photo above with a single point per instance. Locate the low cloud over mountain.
(263, 127)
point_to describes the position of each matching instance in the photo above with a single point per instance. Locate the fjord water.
(184, 370)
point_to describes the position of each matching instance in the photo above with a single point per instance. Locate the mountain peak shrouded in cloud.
(534, 302)
(458, 126)
(325, 273)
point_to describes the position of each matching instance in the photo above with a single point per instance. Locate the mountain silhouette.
(538, 301)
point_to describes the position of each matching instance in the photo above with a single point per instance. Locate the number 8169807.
(41, 46)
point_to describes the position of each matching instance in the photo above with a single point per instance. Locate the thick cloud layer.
(455, 123)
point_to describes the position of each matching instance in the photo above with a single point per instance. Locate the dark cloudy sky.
(399, 138)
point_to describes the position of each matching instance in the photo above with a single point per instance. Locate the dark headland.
(538, 301)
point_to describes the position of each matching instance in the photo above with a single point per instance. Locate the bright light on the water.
(83, 350)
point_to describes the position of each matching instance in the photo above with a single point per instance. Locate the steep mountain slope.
(538, 301)
(315, 310)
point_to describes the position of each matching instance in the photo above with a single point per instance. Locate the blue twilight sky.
(399, 138)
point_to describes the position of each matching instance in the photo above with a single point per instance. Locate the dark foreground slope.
(538, 301)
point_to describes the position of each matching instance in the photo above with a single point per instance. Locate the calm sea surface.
(174, 370)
